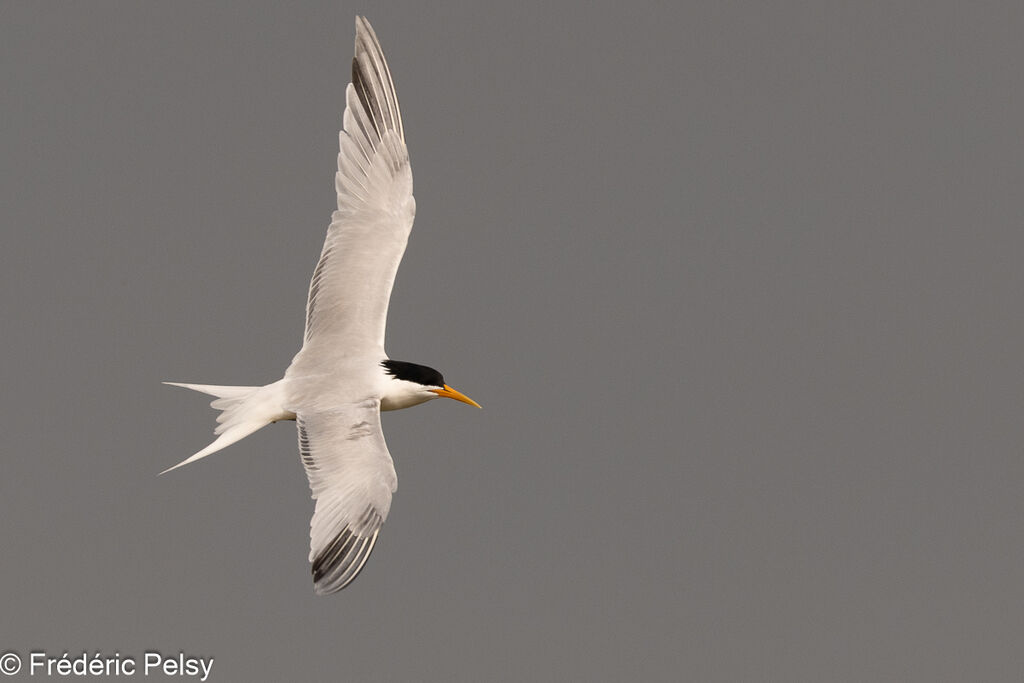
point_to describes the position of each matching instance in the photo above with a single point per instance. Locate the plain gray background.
(738, 285)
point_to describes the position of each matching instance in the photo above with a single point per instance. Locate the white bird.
(341, 378)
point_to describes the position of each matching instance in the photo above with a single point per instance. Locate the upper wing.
(349, 292)
(352, 478)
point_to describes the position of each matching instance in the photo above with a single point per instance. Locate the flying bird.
(341, 379)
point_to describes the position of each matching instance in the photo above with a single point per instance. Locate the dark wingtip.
(366, 97)
(341, 561)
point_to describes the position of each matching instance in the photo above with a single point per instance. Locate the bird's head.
(412, 384)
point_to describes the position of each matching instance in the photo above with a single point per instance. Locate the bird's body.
(341, 378)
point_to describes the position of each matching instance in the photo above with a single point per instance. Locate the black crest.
(411, 372)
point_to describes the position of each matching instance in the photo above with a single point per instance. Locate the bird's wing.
(352, 478)
(348, 295)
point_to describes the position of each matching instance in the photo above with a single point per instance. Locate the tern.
(341, 379)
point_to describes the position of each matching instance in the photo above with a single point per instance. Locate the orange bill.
(448, 392)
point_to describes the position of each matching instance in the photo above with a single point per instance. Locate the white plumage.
(341, 378)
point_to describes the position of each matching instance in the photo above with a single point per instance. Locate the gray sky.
(738, 285)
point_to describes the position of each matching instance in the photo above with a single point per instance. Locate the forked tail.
(243, 411)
